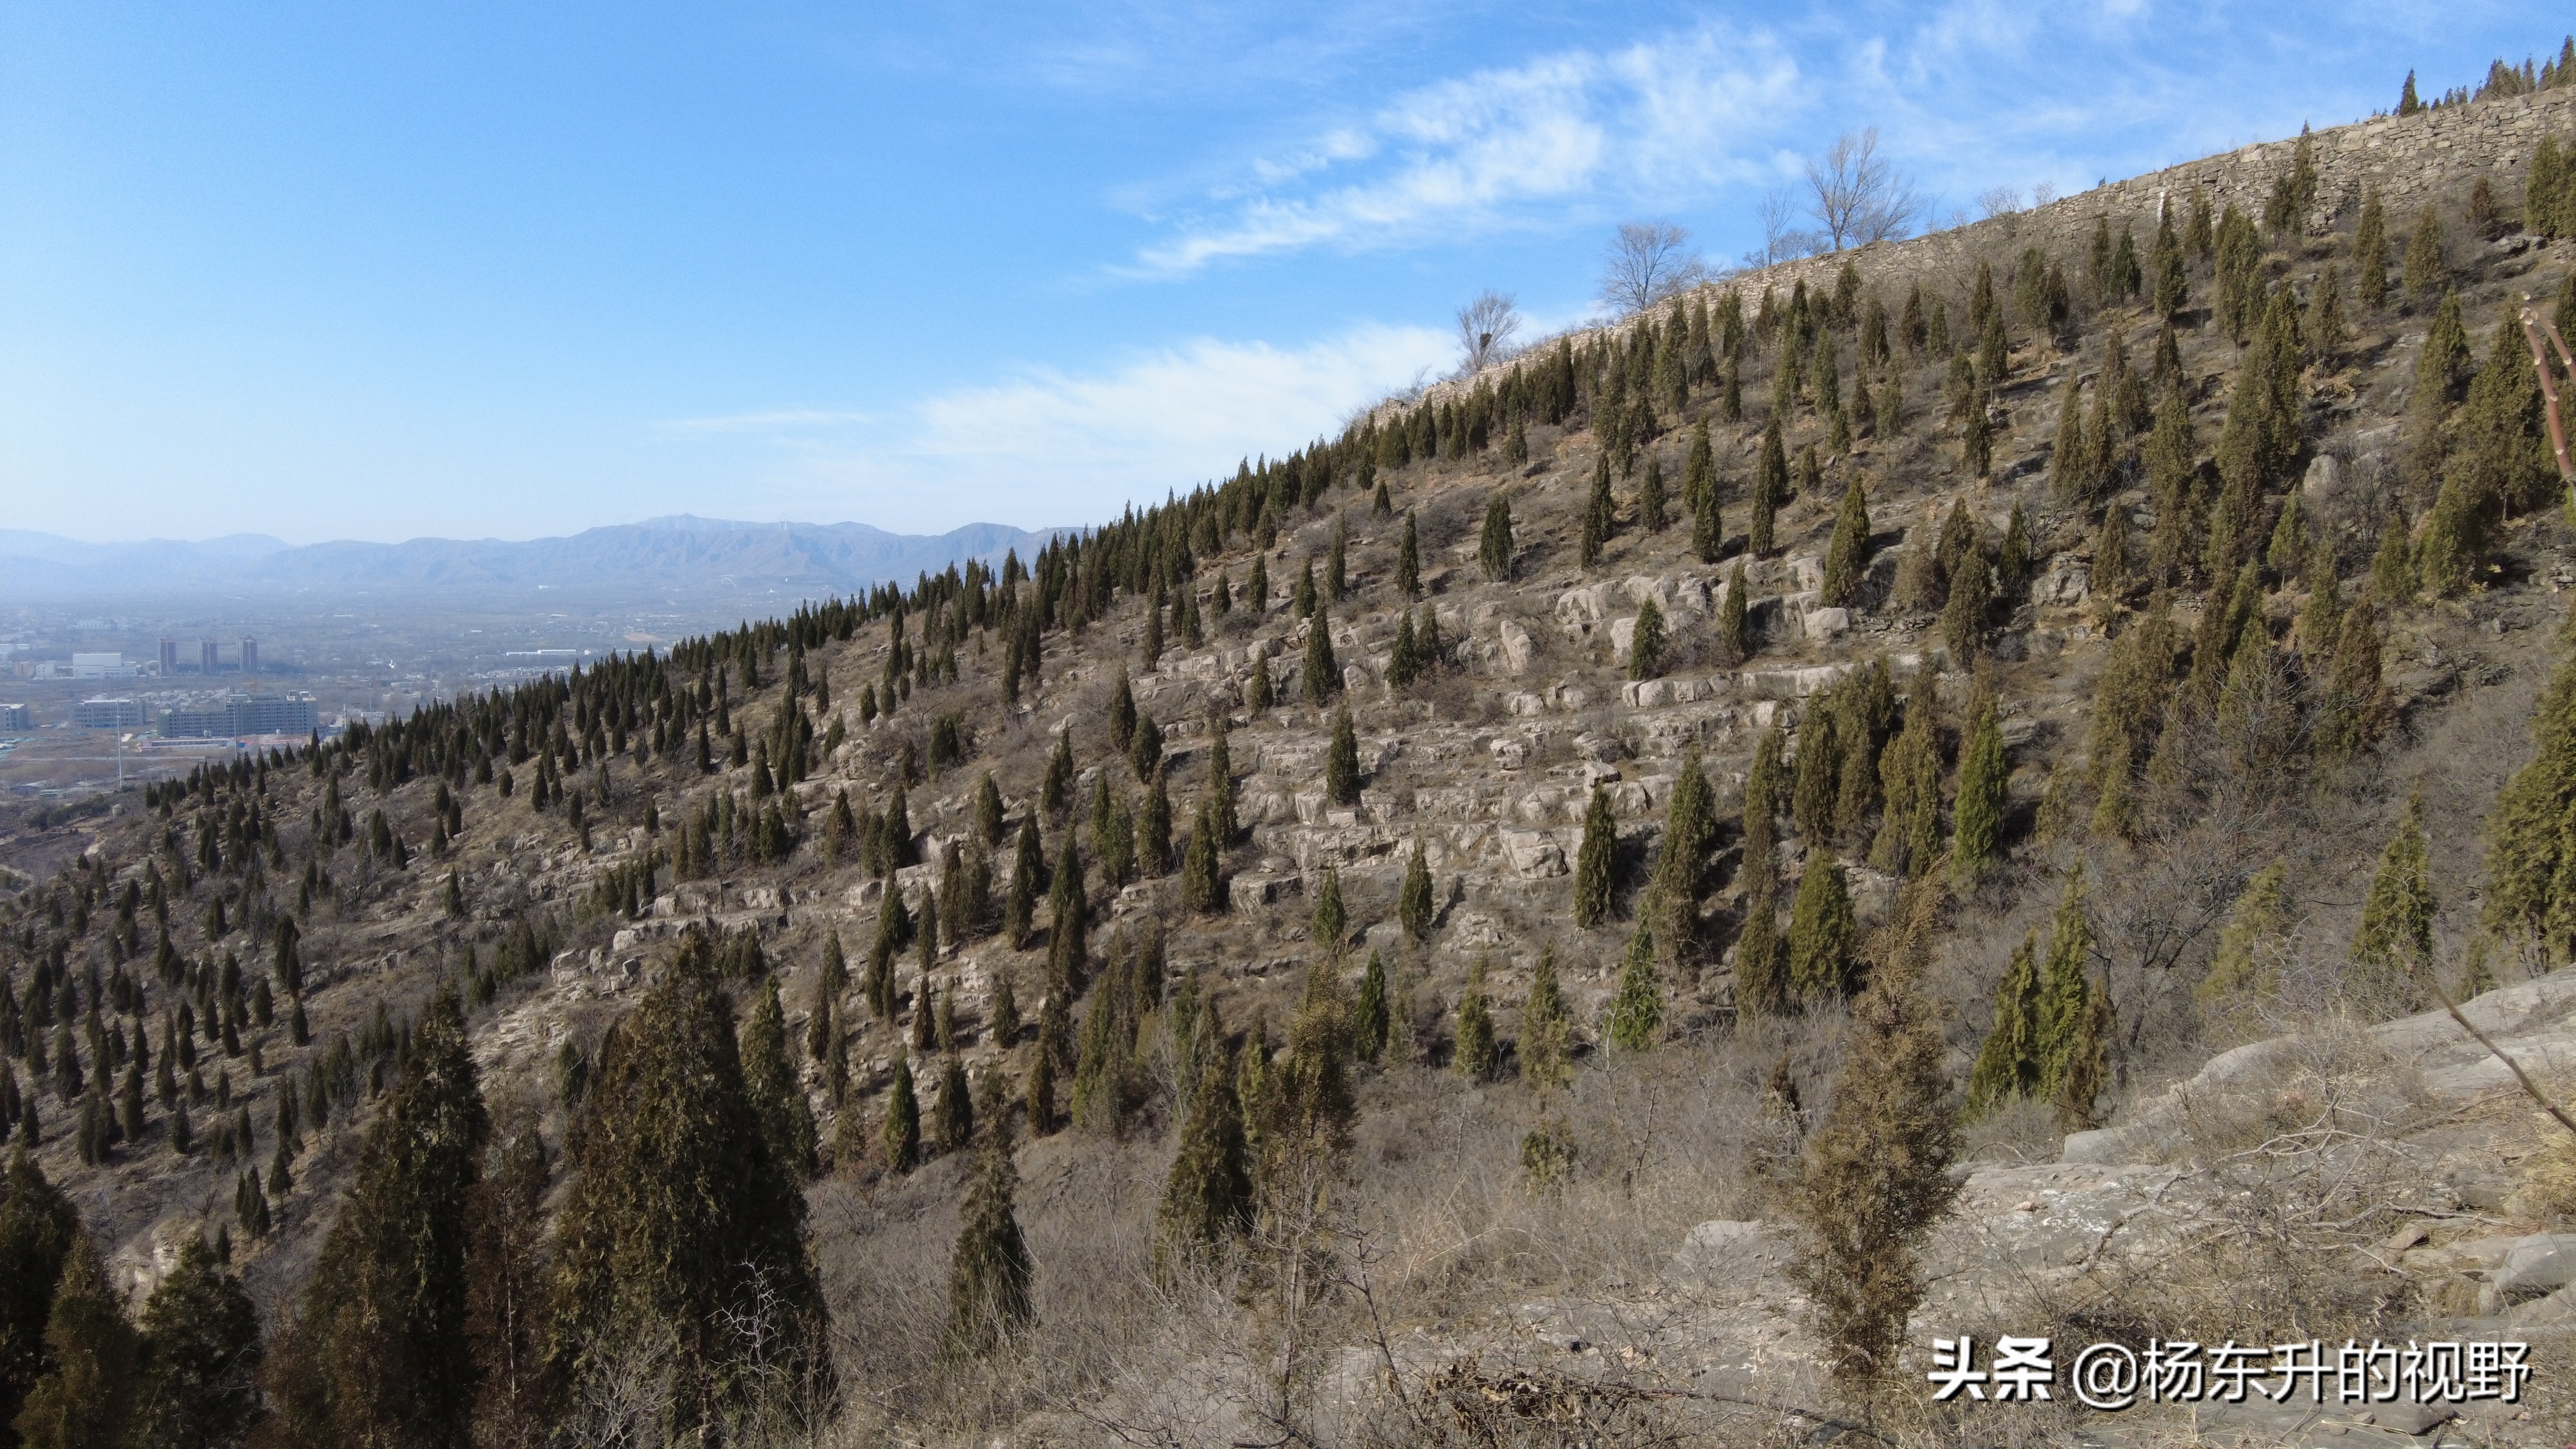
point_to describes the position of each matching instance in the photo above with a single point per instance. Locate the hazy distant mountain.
(681, 554)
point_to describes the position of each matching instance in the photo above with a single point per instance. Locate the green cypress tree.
(2427, 275)
(1770, 487)
(1207, 1197)
(1824, 935)
(2064, 986)
(37, 1226)
(1321, 677)
(902, 1131)
(86, 1398)
(2370, 252)
(2395, 939)
(1202, 889)
(2531, 837)
(1056, 796)
(381, 1353)
(1820, 760)
(678, 1215)
(1636, 1014)
(990, 1272)
(1847, 556)
(1734, 621)
(1646, 643)
(1477, 1052)
(1977, 816)
(1371, 1017)
(1876, 1180)
(1650, 497)
(1494, 543)
(2009, 1063)
(1681, 859)
(516, 1394)
(2088, 1066)
(1546, 1045)
(953, 1116)
(1414, 904)
(1330, 926)
(777, 1097)
(1599, 514)
(1408, 561)
(1595, 861)
(1306, 1109)
(201, 1355)
(1761, 968)
(1342, 760)
(2245, 970)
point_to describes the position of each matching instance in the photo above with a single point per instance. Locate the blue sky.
(506, 270)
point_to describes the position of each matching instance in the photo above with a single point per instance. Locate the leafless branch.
(1859, 197)
(1485, 330)
(1646, 263)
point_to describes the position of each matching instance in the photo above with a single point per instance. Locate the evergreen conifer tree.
(200, 1353)
(1408, 562)
(776, 1095)
(1824, 935)
(1647, 642)
(1595, 860)
(1494, 542)
(1876, 1180)
(2009, 1063)
(1342, 760)
(380, 1353)
(1477, 1053)
(1546, 1040)
(86, 1398)
(902, 1131)
(1207, 1198)
(1734, 621)
(1321, 677)
(1681, 860)
(1650, 496)
(1636, 1014)
(2426, 274)
(1371, 1015)
(1414, 904)
(2370, 252)
(2064, 986)
(679, 1216)
(2395, 939)
(1847, 556)
(1770, 487)
(1977, 816)
(989, 1274)
(1201, 888)
(1599, 514)
(37, 1226)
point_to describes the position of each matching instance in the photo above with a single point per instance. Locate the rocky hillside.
(2104, 633)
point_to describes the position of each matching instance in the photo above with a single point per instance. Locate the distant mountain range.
(678, 554)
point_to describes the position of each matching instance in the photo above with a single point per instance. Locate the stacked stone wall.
(2431, 157)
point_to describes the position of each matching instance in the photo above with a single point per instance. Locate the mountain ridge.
(674, 551)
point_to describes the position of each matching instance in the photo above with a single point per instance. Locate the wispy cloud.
(1050, 446)
(773, 420)
(1471, 153)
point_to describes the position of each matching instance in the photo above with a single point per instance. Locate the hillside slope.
(2173, 559)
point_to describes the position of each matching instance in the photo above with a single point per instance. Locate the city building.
(99, 666)
(250, 655)
(107, 714)
(206, 661)
(16, 719)
(242, 714)
(169, 656)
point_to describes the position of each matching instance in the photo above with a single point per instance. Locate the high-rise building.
(169, 656)
(16, 719)
(250, 655)
(206, 652)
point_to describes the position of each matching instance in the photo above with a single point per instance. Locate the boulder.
(2538, 1264)
(1534, 854)
(1518, 648)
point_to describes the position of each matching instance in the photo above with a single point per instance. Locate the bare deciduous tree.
(1647, 262)
(1859, 197)
(1485, 330)
(1781, 240)
(1997, 201)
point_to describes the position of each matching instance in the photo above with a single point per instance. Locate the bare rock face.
(1518, 650)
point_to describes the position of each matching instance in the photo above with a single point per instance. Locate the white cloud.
(1051, 447)
(1638, 125)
